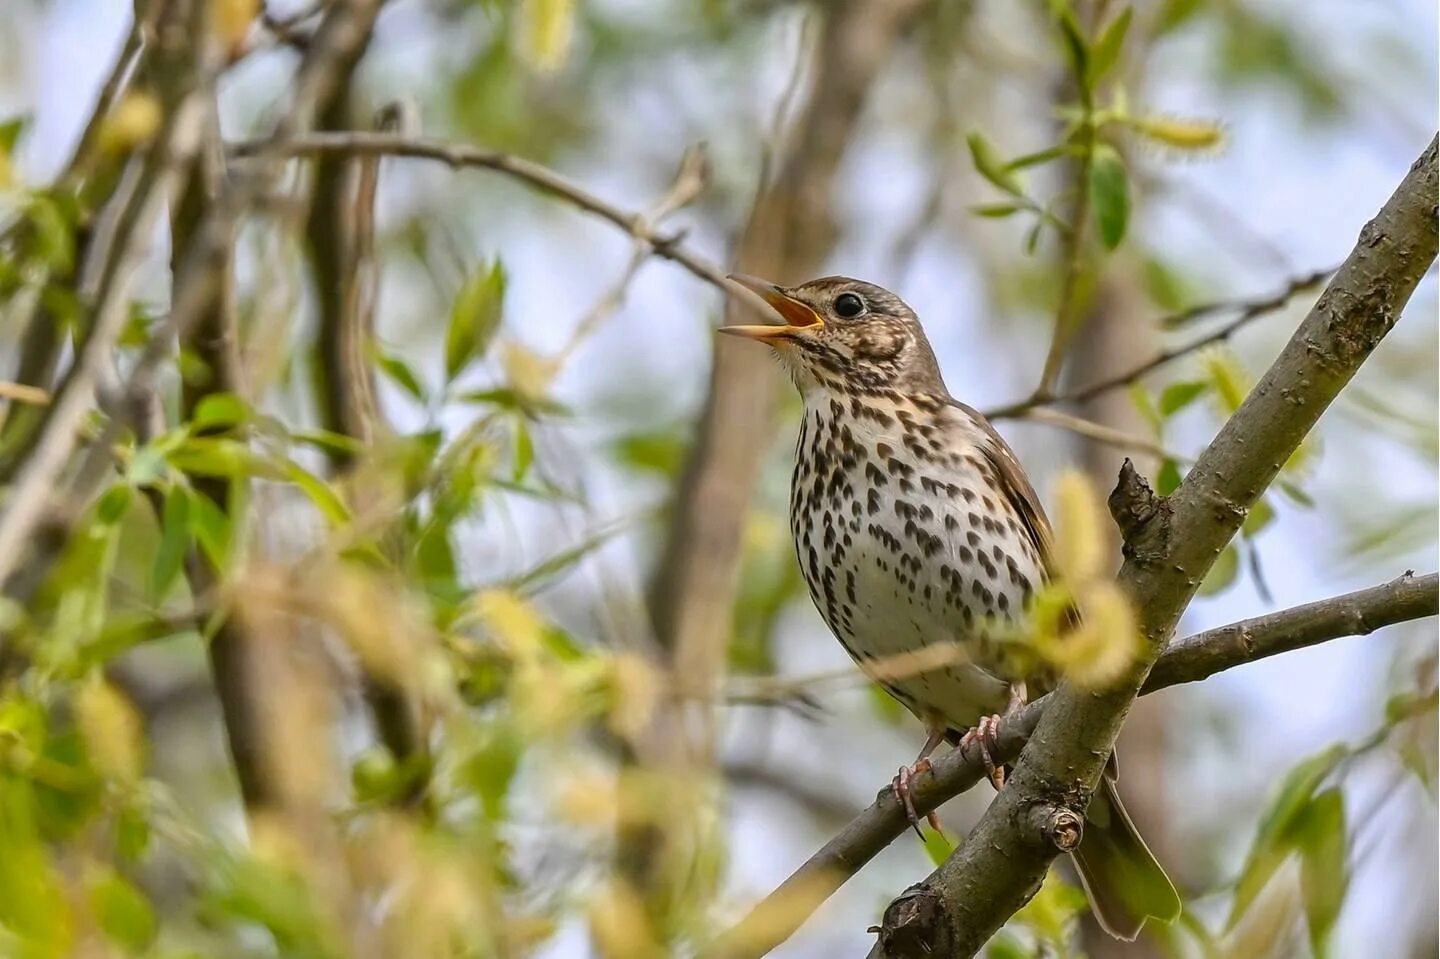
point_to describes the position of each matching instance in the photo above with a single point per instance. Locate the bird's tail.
(1125, 884)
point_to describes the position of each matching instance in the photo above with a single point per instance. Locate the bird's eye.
(848, 305)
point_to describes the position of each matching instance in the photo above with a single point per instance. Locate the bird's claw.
(901, 786)
(985, 734)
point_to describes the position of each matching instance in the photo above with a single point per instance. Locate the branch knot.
(1058, 826)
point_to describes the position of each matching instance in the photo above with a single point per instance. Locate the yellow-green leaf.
(1177, 396)
(1106, 52)
(174, 541)
(319, 493)
(1168, 479)
(1179, 132)
(1320, 836)
(474, 318)
(547, 29)
(989, 165)
(1109, 196)
(125, 915)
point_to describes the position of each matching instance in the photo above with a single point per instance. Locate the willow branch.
(1169, 546)
(38, 475)
(1247, 311)
(463, 156)
(1190, 660)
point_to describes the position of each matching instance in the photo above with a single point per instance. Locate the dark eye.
(848, 304)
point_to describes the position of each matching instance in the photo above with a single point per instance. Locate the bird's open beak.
(797, 315)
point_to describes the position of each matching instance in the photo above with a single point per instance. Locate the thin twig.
(782, 912)
(690, 180)
(24, 393)
(1100, 433)
(36, 480)
(462, 156)
(1069, 313)
(1248, 311)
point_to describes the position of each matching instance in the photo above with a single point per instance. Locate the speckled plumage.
(907, 538)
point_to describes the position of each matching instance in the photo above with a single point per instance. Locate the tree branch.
(462, 156)
(781, 913)
(1168, 550)
(1248, 312)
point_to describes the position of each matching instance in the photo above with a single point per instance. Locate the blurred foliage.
(462, 559)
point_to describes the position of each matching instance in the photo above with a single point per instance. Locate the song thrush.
(915, 525)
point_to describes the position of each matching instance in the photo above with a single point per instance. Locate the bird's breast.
(906, 544)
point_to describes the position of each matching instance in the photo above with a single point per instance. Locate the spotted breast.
(906, 538)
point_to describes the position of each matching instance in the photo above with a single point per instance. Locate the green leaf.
(1168, 480)
(1145, 406)
(1294, 493)
(1274, 839)
(218, 411)
(401, 374)
(996, 211)
(319, 492)
(1077, 48)
(1408, 705)
(10, 131)
(1177, 396)
(1027, 160)
(509, 399)
(1229, 378)
(1165, 286)
(989, 165)
(217, 456)
(1032, 239)
(211, 529)
(132, 833)
(1109, 195)
(124, 913)
(1223, 574)
(491, 767)
(660, 452)
(174, 541)
(474, 318)
(1261, 515)
(545, 572)
(327, 441)
(113, 504)
(937, 846)
(524, 453)
(1106, 52)
(1319, 834)
(1006, 946)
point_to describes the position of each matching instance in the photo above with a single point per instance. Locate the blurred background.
(592, 490)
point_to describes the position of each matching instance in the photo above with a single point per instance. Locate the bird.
(915, 526)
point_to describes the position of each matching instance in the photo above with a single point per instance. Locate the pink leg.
(985, 733)
(901, 783)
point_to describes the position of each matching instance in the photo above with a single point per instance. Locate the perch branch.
(1190, 660)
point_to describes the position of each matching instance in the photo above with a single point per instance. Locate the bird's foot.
(901, 785)
(985, 734)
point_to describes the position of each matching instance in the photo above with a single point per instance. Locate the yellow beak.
(797, 315)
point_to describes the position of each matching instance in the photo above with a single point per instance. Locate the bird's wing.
(1015, 484)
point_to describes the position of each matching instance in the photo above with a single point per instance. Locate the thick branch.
(1190, 660)
(997, 870)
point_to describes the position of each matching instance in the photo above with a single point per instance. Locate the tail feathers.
(1125, 884)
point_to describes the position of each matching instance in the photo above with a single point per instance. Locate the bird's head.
(844, 335)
